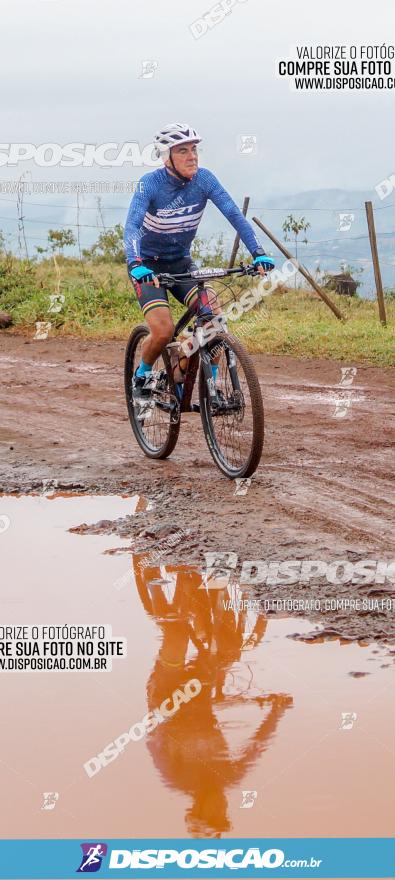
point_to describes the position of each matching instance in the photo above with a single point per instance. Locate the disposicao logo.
(187, 859)
(237, 859)
(92, 856)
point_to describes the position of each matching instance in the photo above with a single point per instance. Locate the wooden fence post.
(303, 271)
(236, 242)
(376, 264)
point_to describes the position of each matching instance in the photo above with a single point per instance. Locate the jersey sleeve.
(134, 221)
(224, 202)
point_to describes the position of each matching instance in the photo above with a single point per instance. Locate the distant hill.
(329, 244)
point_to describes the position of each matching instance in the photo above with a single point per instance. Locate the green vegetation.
(99, 302)
(298, 323)
(109, 247)
(292, 227)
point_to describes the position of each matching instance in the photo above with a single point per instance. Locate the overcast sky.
(71, 71)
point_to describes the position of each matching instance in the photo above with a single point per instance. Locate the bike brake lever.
(248, 270)
(165, 279)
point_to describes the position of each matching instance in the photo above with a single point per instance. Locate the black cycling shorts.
(151, 297)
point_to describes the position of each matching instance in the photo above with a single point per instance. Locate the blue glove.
(138, 272)
(265, 261)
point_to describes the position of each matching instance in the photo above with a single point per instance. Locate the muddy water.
(282, 739)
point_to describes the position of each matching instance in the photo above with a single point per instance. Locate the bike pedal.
(173, 407)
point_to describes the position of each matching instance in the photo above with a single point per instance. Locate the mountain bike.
(230, 407)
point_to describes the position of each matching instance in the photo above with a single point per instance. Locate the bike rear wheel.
(234, 432)
(157, 432)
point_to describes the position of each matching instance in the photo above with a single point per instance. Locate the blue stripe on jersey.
(165, 213)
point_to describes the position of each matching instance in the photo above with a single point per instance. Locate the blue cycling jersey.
(165, 213)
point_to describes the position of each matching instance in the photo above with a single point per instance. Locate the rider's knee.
(164, 333)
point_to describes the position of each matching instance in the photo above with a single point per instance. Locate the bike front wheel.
(157, 425)
(234, 423)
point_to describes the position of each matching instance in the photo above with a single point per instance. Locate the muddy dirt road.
(324, 489)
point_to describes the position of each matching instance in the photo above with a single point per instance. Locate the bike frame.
(202, 276)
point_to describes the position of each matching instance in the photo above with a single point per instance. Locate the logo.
(385, 187)
(76, 154)
(42, 329)
(347, 720)
(148, 69)
(57, 300)
(247, 144)
(249, 798)
(219, 569)
(92, 855)
(202, 273)
(150, 721)
(50, 799)
(242, 485)
(173, 212)
(345, 222)
(348, 374)
(5, 523)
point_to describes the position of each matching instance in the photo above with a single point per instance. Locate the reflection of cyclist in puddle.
(201, 640)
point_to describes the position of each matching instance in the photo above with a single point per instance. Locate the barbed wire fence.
(24, 236)
(21, 219)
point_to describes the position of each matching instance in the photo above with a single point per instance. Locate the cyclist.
(162, 222)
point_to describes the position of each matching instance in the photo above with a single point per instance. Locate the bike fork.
(232, 367)
(208, 374)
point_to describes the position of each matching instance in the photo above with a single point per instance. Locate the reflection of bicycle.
(194, 751)
(230, 405)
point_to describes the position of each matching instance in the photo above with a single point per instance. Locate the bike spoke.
(154, 426)
(232, 430)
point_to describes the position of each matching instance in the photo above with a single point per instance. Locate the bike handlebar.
(206, 274)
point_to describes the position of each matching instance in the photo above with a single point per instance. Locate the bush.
(18, 283)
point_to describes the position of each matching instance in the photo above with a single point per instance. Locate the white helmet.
(172, 134)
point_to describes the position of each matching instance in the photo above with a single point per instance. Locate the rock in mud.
(5, 320)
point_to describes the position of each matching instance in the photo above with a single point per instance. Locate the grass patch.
(99, 302)
(298, 323)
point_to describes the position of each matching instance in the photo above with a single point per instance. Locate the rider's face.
(185, 158)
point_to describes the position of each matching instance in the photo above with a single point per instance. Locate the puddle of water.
(70, 368)
(319, 398)
(274, 716)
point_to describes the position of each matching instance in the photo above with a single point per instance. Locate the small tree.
(292, 227)
(210, 252)
(58, 239)
(5, 244)
(351, 270)
(109, 247)
(40, 250)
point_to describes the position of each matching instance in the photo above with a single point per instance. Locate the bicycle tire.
(166, 448)
(257, 412)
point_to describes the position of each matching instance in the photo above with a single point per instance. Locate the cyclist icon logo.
(92, 855)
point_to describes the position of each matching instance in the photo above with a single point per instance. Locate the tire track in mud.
(323, 489)
(333, 499)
